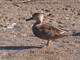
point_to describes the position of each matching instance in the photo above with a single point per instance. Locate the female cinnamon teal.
(45, 31)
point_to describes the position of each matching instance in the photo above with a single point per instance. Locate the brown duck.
(45, 31)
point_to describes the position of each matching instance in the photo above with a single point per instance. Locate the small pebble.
(73, 24)
(47, 11)
(28, 0)
(65, 9)
(11, 25)
(78, 13)
(60, 22)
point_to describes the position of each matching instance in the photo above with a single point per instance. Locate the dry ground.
(17, 42)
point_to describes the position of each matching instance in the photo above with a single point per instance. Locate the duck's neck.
(37, 24)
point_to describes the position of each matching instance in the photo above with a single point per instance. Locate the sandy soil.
(17, 42)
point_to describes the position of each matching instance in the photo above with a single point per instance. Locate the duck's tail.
(66, 33)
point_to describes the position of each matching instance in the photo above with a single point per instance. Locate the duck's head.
(38, 17)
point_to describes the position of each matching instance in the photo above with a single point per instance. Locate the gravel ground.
(17, 42)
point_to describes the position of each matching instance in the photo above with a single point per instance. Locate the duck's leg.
(48, 44)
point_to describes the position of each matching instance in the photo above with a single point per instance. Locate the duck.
(45, 31)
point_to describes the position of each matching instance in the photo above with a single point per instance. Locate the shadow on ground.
(76, 34)
(17, 47)
(26, 47)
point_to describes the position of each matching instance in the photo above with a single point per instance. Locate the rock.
(11, 25)
(29, 0)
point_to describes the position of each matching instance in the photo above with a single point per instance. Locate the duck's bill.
(29, 19)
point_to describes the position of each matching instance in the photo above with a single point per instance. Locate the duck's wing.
(49, 30)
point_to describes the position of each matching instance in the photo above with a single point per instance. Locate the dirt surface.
(17, 42)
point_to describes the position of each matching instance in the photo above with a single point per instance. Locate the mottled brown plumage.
(45, 31)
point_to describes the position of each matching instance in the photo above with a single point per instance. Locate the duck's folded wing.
(48, 30)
